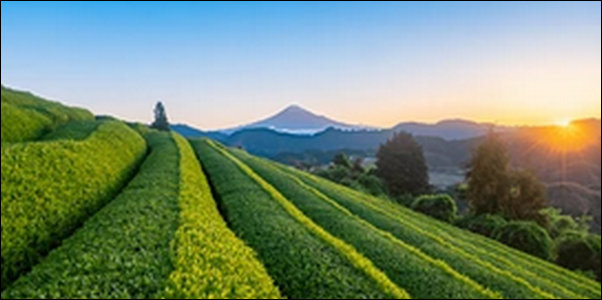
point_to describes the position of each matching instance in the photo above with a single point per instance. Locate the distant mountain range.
(295, 120)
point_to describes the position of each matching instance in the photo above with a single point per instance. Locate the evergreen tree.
(161, 123)
(495, 188)
(488, 178)
(402, 166)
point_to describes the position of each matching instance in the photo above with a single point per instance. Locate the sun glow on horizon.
(564, 123)
(567, 138)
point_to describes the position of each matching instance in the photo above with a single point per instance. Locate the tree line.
(505, 203)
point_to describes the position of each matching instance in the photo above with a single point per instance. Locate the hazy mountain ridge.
(295, 120)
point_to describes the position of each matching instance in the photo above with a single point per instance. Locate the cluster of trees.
(353, 174)
(510, 205)
(505, 204)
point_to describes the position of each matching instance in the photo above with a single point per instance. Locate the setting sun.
(564, 123)
(567, 138)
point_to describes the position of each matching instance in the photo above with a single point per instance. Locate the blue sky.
(216, 65)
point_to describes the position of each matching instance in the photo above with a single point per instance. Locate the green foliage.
(559, 224)
(594, 241)
(26, 117)
(335, 174)
(488, 183)
(353, 175)
(140, 128)
(75, 131)
(494, 188)
(371, 184)
(210, 262)
(527, 198)
(527, 237)
(347, 251)
(579, 253)
(22, 125)
(123, 252)
(406, 265)
(485, 225)
(298, 260)
(341, 160)
(405, 200)
(441, 207)
(161, 123)
(49, 189)
(402, 166)
(502, 269)
(153, 242)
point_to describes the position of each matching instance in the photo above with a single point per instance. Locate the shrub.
(21, 125)
(527, 237)
(50, 188)
(335, 174)
(559, 224)
(161, 238)
(405, 200)
(441, 207)
(372, 185)
(485, 225)
(579, 253)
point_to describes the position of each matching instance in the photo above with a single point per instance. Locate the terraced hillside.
(422, 257)
(97, 210)
(161, 237)
(26, 117)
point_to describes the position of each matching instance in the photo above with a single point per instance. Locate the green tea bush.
(26, 117)
(485, 225)
(50, 188)
(527, 237)
(441, 207)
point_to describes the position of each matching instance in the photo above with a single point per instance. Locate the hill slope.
(26, 117)
(223, 224)
(439, 261)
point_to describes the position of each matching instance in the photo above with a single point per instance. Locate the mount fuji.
(297, 120)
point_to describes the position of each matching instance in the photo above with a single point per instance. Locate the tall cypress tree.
(161, 123)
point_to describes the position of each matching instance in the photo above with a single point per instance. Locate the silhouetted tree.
(495, 188)
(527, 198)
(161, 122)
(488, 178)
(402, 166)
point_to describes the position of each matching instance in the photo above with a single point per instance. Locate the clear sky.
(216, 65)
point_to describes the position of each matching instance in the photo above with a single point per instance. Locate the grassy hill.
(98, 210)
(26, 117)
